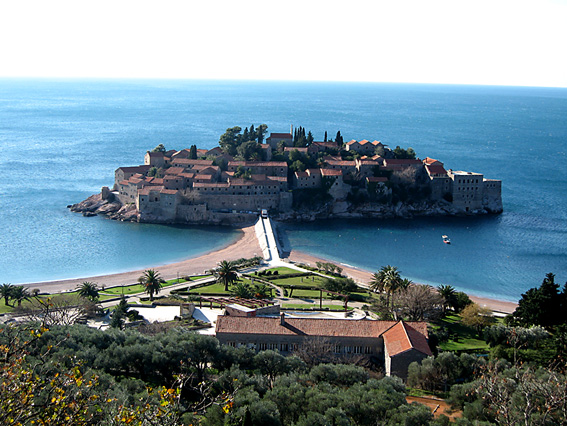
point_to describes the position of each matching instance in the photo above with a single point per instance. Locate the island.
(294, 178)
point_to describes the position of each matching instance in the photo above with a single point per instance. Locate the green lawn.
(283, 270)
(217, 288)
(462, 338)
(312, 281)
(313, 305)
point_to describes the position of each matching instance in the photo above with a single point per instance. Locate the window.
(284, 347)
(338, 349)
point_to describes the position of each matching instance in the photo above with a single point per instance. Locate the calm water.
(62, 140)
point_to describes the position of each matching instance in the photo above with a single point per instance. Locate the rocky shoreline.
(107, 204)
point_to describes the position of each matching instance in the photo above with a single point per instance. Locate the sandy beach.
(364, 276)
(245, 246)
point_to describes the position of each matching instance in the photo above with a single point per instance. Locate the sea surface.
(60, 141)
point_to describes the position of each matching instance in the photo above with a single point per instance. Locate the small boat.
(446, 239)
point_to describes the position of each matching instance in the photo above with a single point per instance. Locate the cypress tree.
(325, 140)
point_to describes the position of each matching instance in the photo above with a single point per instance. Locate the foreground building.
(390, 344)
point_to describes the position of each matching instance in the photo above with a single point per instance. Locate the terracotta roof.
(280, 135)
(175, 170)
(395, 161)
(430, 161)
(351, 142)
(211, 185)
(187, 175)
(156, 153)
(301, 175)
(214, 151)
(157, 181)
(312, 172)
(331, 172)
(377, 179)
(203, 177)
(341, 163)
(436, 170)
(148, 189)
(258, 163)
(241, 181)
(403, 337)
(376, 143)
(363, 142)
(123, 182)
(277, 178)
(134, 169)
(302, 326)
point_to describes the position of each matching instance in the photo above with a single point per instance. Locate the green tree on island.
(159, 148)
(151, 280)
(225, 273)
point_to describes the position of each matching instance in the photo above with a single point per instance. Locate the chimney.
(282, 318)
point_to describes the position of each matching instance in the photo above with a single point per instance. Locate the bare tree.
(61, 309)
(419, 302)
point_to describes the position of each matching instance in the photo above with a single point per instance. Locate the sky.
(494, 42)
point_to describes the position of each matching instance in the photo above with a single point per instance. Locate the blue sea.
(60, 141)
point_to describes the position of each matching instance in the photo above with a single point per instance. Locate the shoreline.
(365, 276)
(246, 245)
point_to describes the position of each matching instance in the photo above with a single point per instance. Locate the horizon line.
(268, 80)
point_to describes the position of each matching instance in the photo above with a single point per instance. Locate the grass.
(283, 270)
(312, 281)
(462, 338)
(313, 305)
(217, 288)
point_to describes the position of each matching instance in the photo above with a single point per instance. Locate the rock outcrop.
(105, 203)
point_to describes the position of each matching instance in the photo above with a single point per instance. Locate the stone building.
(275, 138)
(390, 344)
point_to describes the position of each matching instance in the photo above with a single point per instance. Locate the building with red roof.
(391, 344)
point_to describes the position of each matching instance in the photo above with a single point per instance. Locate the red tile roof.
(403, 337)
(302, 326)
(175, 170)
(168, 191)
(280, 135)
(341, 163)
(377, 179)
(436, 170)
(331, 172)
(395, 161)
(301, 175)
(135, 169)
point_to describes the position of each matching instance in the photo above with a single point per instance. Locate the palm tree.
(89, 290)
(152, 281)
(387, 280)
(449, 294)
(19, 294)
(6, 292)
(226, 273)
